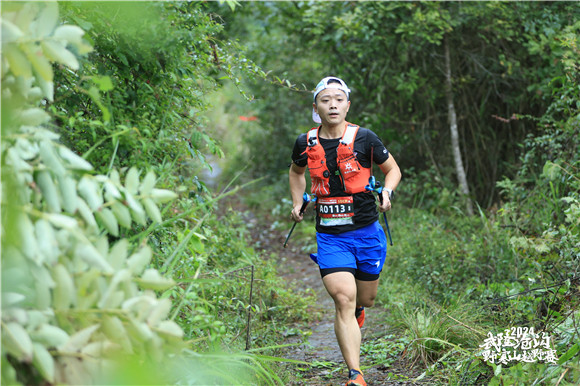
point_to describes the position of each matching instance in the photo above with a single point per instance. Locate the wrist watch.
(391, 193)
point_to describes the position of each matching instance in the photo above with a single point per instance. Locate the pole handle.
(305, 201)
(375, 186)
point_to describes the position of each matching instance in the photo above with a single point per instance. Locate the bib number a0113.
(335, 211)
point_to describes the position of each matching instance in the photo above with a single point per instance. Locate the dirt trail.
(321, 348)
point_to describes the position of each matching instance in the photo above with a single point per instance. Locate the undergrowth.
(451, 280)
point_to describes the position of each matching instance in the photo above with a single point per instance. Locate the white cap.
(322, 85)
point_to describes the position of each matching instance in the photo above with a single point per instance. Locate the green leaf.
(49, 191)
(28, 243)
(26, 15)
(14, 159)
(34, 117)
(39, 62)
(47, 88)
(16, 341)
(159, 312)
(122, 214)
(115, 330)
(34, 94)
(139, 331)
(110, 298)
(27, 150)
(74, 161)
(161, 196)
(118, 254)
(49, 335)
(115, 177)
(10, 299)
(112, 191)
(70, 34)
(62, 221)
(152, 279)
(47, 20)
(19, 64)
(197, 244)
(35, 319)
(551, 171)
(92, 256)
(56, 52)
(68, 191)
(87, 215)
(90, 191)
(64, 292)
(93, 92)
(49, 157)
(77, 341)
(152, 210)
(137, 211)
(44, 362)
(139, 260)
(10, 31)
(43, 287)
(46, 237)
(132, 181)
(148, 183)
(103, 82)
(108, 219)
(170, 329)
(569, 354)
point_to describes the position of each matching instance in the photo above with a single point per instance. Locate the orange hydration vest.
(354, 177)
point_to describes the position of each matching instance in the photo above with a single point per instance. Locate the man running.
(351, 244)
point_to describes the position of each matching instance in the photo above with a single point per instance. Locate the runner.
(351, 244)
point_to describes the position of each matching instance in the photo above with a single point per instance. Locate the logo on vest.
(348, 168)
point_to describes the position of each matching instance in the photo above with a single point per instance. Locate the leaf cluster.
(141, 91)
(75, 292)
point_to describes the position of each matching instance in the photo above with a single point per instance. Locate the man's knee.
(343, 299)
(366, 301)
(342, 288)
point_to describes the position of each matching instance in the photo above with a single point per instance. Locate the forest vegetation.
(139, 137)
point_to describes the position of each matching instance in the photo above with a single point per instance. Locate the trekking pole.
(305, 201)
(375, 186)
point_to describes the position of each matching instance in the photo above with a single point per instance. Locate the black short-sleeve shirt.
(366, 144)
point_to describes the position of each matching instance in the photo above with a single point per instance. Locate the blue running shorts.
(361, 252)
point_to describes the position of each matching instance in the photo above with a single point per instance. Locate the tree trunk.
(459, 169)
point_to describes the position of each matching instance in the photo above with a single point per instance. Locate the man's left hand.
(386, 205)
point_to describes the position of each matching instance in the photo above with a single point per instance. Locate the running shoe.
(359, 314)
(355, 378)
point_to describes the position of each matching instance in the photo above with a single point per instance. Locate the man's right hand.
(295, 215)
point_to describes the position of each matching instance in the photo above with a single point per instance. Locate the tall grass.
(434, 330)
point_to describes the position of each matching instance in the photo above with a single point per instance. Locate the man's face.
(332, 106)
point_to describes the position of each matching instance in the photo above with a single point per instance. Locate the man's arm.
(392, 178)
(297, 187)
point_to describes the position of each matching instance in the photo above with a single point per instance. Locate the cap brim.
(316, 117)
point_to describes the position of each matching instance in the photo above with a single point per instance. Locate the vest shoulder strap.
(349, 134)
(312, 138)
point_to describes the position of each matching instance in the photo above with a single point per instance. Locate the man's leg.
(366, 292)
(342, 288)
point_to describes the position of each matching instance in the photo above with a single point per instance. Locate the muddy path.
(321, 349)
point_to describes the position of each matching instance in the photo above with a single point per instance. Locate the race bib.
(335, 211)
